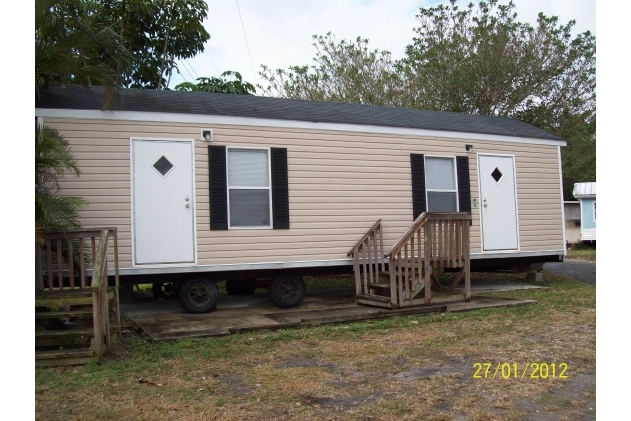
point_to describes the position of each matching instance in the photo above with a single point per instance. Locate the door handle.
(188, 206)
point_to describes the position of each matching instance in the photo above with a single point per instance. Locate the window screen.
(440, 181)
(248, 188)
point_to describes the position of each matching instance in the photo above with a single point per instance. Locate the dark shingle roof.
(203, 103)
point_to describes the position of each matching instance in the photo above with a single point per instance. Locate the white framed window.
(441, 187)
(249, 188)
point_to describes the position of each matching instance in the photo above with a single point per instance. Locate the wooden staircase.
(77, 316)
(436, 240)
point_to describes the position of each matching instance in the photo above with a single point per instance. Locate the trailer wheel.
(287, 290)
(162, 290)
(198, 295)
(245, 287)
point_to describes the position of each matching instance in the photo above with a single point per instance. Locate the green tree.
(343, 72)
(486, 62)
(154, 35)
(70, 50)
(158, 33)
(219, 84)
(476, 60)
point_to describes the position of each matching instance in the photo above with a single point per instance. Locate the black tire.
(287, 290)
(163, 290)
(243, 287)
(198, 295)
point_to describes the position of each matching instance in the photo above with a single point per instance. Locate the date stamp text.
(533, 370)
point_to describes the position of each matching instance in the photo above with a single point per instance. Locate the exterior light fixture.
(207, 135)
(469, 148)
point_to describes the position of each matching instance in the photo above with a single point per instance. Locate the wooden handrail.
(99, 262)
(374, 227)
(420, 220)
(80, 233)
(99, 297)
(406, 235)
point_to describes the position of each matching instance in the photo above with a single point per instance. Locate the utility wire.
(189, 63)
(189, 73)
(211, 60)
(246, 42)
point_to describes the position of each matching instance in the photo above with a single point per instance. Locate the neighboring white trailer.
(585, 193)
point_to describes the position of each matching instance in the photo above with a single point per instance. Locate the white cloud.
(279, 32)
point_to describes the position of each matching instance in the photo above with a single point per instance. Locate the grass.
(582, 254)
(416, 367)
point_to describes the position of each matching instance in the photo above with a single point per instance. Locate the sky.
(279, 32)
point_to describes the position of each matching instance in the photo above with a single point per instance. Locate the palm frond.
(57, 213)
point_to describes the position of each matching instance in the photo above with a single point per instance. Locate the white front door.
(163, 210)
(498, 202)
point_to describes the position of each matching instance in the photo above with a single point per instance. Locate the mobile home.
(236, 187)
(585, 193)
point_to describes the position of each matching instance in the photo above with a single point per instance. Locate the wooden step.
(379, 285)
(374, 300)
(67, 297)
(64, 357)
(72, 333)
(69, 333)
(63, 314)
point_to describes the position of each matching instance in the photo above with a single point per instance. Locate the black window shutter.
(419, 204)
(280, 188)
(464, 185)
(218, 188)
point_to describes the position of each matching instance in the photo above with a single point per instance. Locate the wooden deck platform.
(166, 320)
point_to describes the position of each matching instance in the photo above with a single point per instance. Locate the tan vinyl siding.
(340, 183)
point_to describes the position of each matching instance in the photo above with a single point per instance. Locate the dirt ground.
(420, 367)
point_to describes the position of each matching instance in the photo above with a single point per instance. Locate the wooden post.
(106, 312)
(428, 262)
(406, 273)
(439, 252)
(467, 256)
(420, 258)
(71, 263)
(364, 266)
(411, 279)
(452, 243)
(82, 262)
(93, 252)
(376, 263)
(434, 248)
(99, 295)
(381, 253)
(39, 276)
(399, 281)
(358, 282)
(97, 340)
(458, 243)
(116, 258)
(368, 246)
(49, 264)
(60, 262)
(393, 281)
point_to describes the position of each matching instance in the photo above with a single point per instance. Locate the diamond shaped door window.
(163, 166)
(497, 175)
